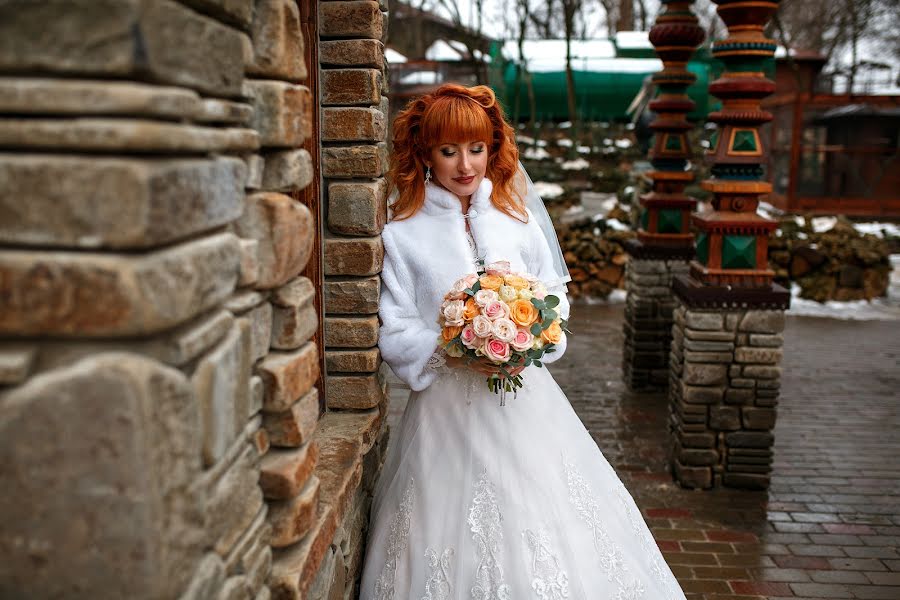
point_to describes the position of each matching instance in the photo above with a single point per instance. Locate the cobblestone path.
(829, 527)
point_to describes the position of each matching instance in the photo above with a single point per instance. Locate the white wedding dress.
(481, 501)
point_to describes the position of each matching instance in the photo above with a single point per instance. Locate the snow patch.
(579, 164)
(536, 154)
(823, 224)
(564, 142)
(548, 191)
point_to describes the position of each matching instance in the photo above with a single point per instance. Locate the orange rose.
(472, 309)
(515, 281)
(553, 334)
(523, 312)
(448, 333)
(491, 282)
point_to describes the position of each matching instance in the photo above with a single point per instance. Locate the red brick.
(761, 588)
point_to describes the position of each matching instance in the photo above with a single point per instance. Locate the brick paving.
(829, 527)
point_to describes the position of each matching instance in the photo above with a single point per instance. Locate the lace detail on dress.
(438, 585)
(639, 528)
(484, 521)
(397, 540)
(611, 559)
(550, 581)
(436, 361)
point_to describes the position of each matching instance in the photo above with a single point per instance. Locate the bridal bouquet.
(502, 318)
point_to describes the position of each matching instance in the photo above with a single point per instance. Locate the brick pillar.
(727, 338)
(665, 243)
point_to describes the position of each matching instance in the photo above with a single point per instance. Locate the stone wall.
(725, 379)
(648, 322)
(160, 298)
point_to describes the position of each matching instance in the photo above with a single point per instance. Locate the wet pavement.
(829, 526)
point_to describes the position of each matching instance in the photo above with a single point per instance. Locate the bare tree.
(625, 20)
(471, 27)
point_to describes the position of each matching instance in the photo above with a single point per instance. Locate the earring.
(427, 174)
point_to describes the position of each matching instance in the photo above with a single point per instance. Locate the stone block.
(15, 362)
(233, 497)
(352, 296)
(364, 427)
(288, 376)
(103, 295)
(160, 40)
(295, 426)
(761, 372)
(353, 124)
(353, 256)
(356, 392)
(257, 392)
(282, 112)
(709, 336)
(351, 332)
(255, 166)
(762, 321)
(295, 319)
(749, 439)
(757, 355)
(354, 161)
(249, 272)
(708, 357)
(693, 394)
(739, 396)
(259, 321)
(237, 12)
(283, 473)
(705, 374)
(697, 440)
(207, 580)
(351, 87)
(256, 534)
(236, 588)
(123, 135)
(697, 457)
(740, 382)
(692, 477)
(704, 346)
(353, 19)
(259, 439)
(277, 41)
(352, 53)
(73, 441)
(767, 341)
(747, 480)
(724, 418)
(283, 228)
(357, 207)
(353, 361)
(243, 301)
(287, 171)
(43, 96)
(224, 112)
(94, 202)
(706, 321)
(221, 386)
(292, 519)
(758, 418)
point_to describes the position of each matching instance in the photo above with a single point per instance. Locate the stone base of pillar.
(723, 394)
(648, 322)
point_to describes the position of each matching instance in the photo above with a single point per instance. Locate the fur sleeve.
(404, 338)
(540, 264)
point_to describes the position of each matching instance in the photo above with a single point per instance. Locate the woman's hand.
(482, 366)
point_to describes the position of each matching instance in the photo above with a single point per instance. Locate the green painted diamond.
(739, 252)
(668, 220)
(744, 141)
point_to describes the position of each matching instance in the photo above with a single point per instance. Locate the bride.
(476, 500)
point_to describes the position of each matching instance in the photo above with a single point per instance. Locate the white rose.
(482, 326)
(453, 312)
(508, 293)
(460, 285)
(525, 295)
(485, 297)
(504, 330)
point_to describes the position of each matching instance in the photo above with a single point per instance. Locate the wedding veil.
(536, 206)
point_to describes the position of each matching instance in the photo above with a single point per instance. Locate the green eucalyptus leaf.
(536, 329)
(551, 301)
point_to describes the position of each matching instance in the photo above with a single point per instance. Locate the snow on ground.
(624, 143)
(564, 142)
(525, 139)
(584, 149)
(548, 191)
(878, 229)
(536, 154)
(579, 164)
(880, 309)
(615, 297)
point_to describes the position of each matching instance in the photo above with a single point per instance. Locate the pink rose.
(496, 310)
(469, 338)
(482, 326)
(485, 297)
(504, 330)
(523, 340)
(497, 351)
(500, 267)
(470, 280)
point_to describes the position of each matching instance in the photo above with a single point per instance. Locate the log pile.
(595, 256)
(839, 264)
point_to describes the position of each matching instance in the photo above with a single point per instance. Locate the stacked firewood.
(595, 256)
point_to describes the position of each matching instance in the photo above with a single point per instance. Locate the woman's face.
(459, 167)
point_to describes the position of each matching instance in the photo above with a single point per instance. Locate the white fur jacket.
(425, 254)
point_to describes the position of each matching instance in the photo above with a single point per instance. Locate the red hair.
(453, 114)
